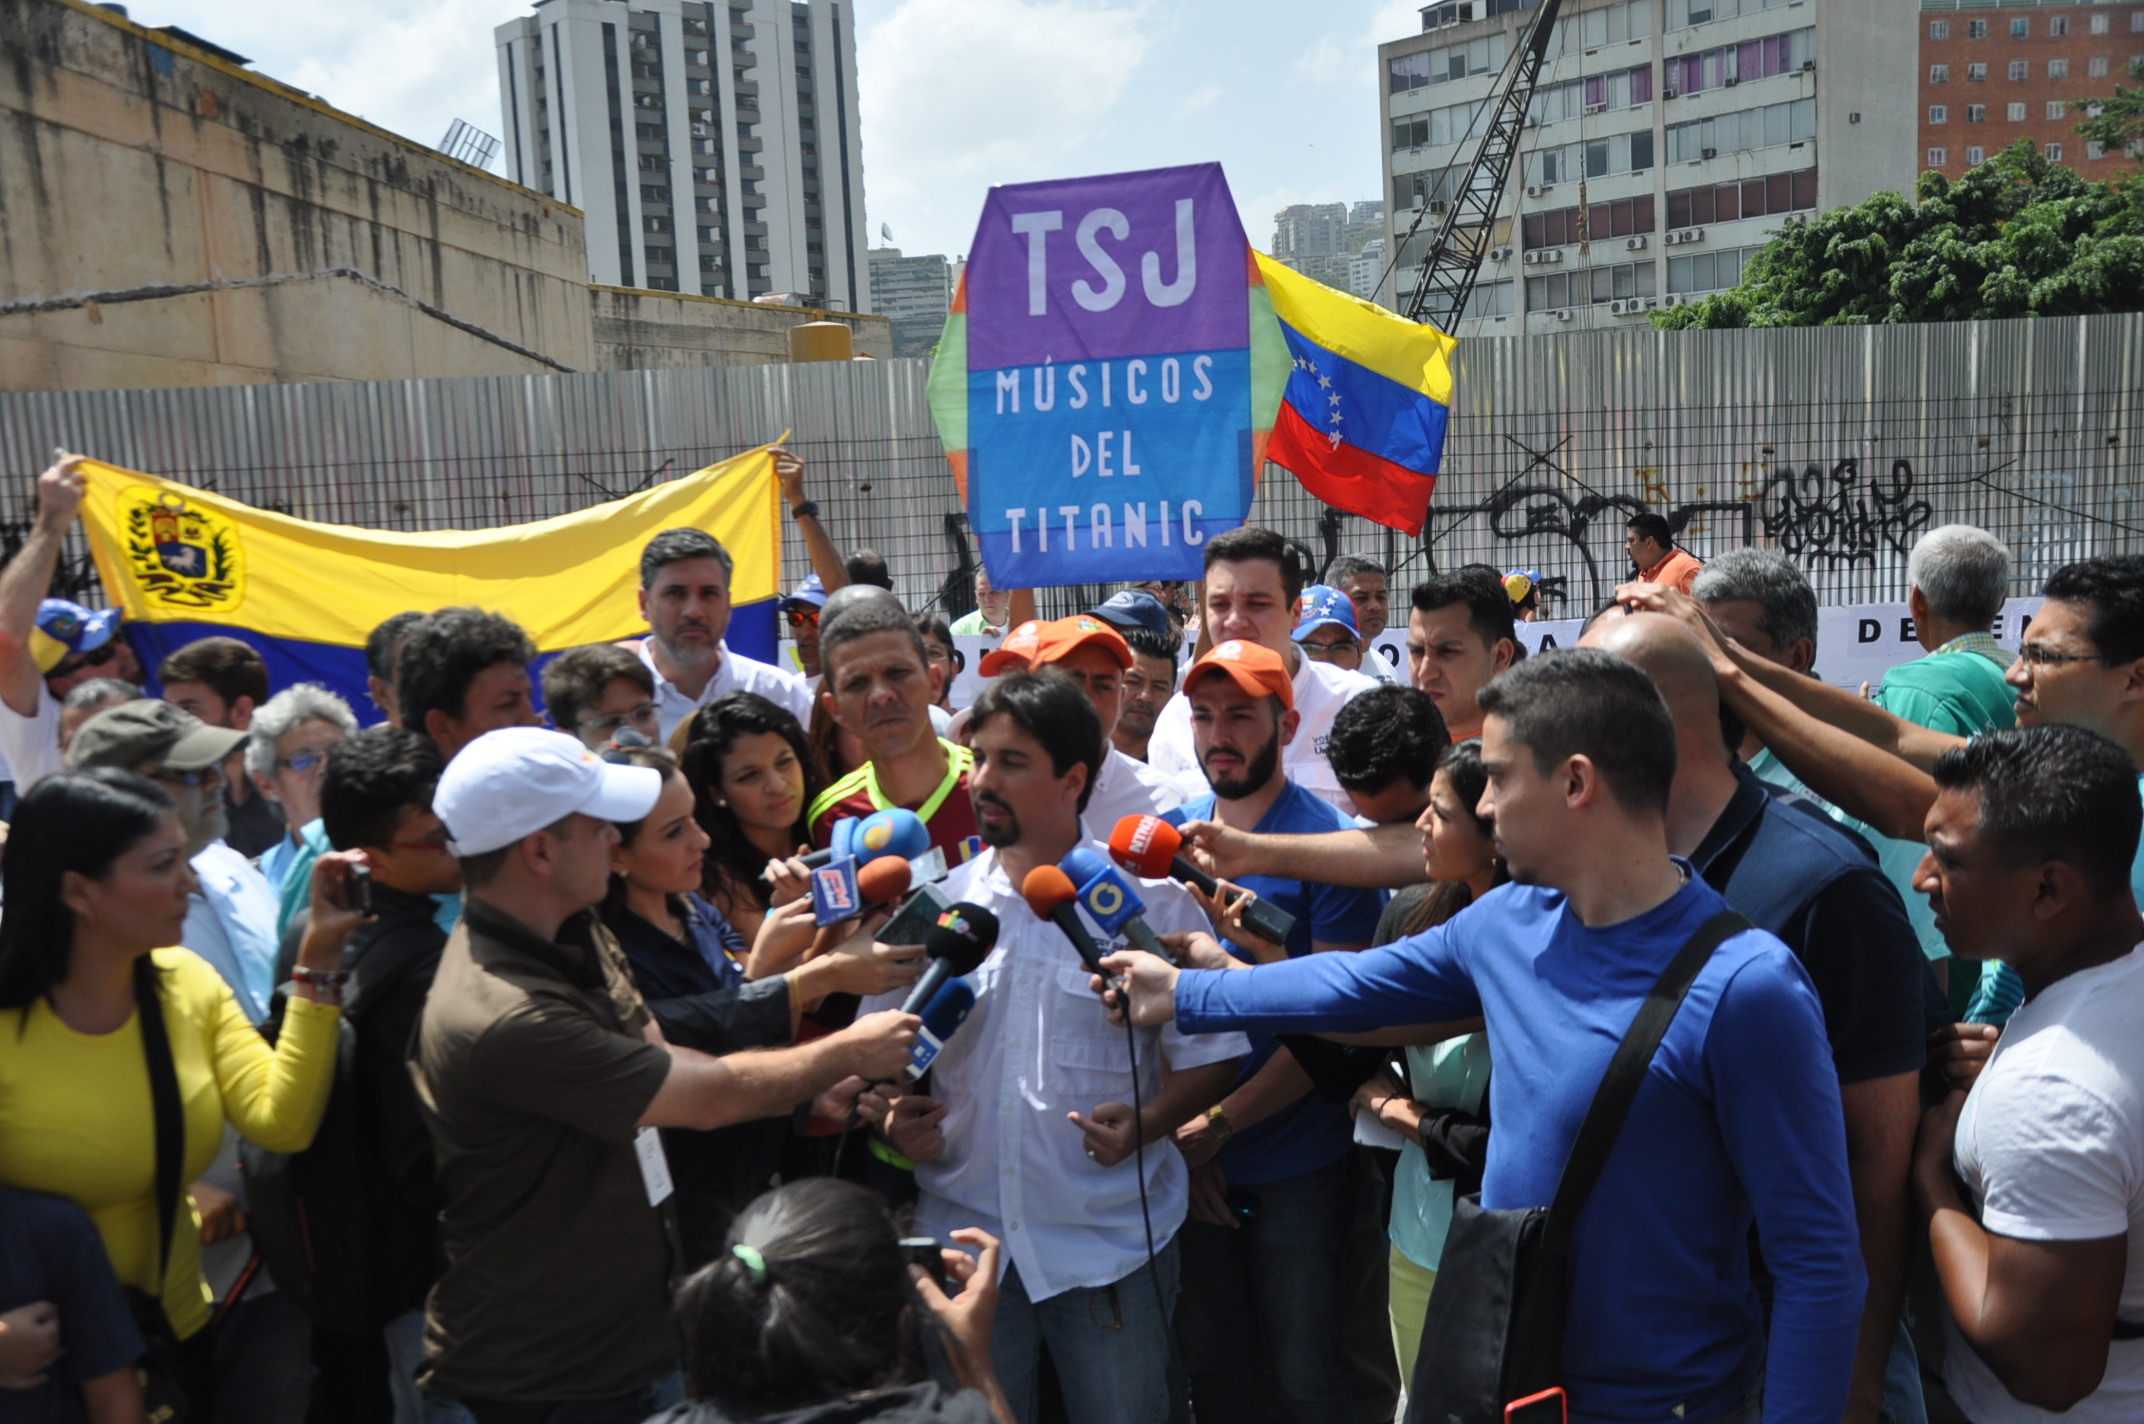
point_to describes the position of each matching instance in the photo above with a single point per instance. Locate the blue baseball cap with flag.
(810, 594)
(1325, 607)
(1135, 608)
(66, 628)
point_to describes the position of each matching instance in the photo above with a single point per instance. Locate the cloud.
(965, 91)
(1394, 21)
(1323, 63)
(1202, 97)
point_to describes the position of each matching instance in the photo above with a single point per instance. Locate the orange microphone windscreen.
(1047, 887)
(1146, 846)
(883, 881)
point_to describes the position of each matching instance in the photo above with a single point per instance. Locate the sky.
(956, 94)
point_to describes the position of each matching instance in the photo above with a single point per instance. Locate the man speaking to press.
(1029, 1131)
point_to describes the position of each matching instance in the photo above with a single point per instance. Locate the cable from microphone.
(1150, 847)
(1050, 893)
(1111, 901)
(960, 941)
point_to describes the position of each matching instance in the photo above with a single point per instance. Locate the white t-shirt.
(2051, 1148)
(1126, 787)
(1321, 690)
(31, 745)
(735, 673)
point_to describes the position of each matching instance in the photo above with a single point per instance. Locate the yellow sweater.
(76, 1120)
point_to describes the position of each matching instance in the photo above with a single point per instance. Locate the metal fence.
(1839, 445)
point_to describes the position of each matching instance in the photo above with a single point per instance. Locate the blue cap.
(1135, 608)
(810, 594)
(65, 628)
(1325, 607)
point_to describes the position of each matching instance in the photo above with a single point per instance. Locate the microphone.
(883, 881)
(1051, 894)
(890, 832)
(841, 891)
(1150, 847)
(960, 941)
(1109, 899)
(945, 1013)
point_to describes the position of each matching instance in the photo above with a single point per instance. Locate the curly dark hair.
(444, 654)
(733, 864)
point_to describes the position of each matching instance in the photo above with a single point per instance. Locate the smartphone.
(361, 889)
(913, 922)
(923, 1251)
(1548, 1407)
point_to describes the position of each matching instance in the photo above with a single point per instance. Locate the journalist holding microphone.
(1030, 1130)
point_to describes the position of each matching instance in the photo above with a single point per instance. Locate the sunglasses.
(799, 618)
(75, 662)
(302, 762)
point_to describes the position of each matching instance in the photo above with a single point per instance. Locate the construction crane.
(1453, 262)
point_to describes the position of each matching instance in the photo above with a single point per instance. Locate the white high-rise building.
(1666, 141)
(715, 148)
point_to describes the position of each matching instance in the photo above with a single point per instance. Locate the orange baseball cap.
(1016, 653)
(1254, 667)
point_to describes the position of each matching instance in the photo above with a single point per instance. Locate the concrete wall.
(1867, 105)
(652, 331)
(170, 219)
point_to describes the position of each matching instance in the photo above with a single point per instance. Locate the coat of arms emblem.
(181, 556)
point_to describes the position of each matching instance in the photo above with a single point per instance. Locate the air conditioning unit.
(1670, 93)
(1532, 259)
(1671, 239)
(1634, 244)
(1711, 153)
(1438, 208)
(1618, 308)
(1596, 109)
(1499, 254)
(1551, 256)
(1535, 190)
(1561, 313)
(1671, 300)
(1731, 81)
(1808, 66)
(1692, 234)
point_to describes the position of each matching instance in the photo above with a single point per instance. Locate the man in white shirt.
(47, 645)
(1094, 655)
(1030, 1130)
(1254, 588)
(685, 596)
(2029, 848)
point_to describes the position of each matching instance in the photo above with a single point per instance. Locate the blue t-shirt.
(50, 1251)
(1737, 1123)
(1311, 1132)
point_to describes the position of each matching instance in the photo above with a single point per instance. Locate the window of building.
(2099, 24)
(1939, 113)
(1708, 271)
(1625, 217)
(2017, 113)
(2019, 29)
(2096, 66)
(2136, 22)
(1441, 66)
(2021, 69)
(1683, 13)
(1939, 29)
(1975, 155)
(2058, 108)
(1741, 63)
(1976, 29)
(1748, 198)
(1939, 74)
(1976, 73)
(1937, 157)
(1976, 113)
(1491, 299)
(2094, 150)
(2053, 152)
(1617, 153)
(2058, 69)
(2058, 25)
(1744, 131)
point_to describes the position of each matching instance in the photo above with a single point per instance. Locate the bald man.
(1798, 876)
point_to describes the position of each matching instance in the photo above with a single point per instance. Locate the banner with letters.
(1098, 386)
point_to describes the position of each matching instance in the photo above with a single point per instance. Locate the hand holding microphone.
(1151, 848)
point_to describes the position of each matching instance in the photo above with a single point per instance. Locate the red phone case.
(1550, 1406)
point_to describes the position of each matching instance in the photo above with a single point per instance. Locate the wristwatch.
(327, 984)
(809, 507)
(1217, 1122)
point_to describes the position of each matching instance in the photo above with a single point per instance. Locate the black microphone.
(1150, 847)
(1051, 894)
(961, 940)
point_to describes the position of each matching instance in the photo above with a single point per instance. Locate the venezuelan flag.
(183, 563)
(1361, 421)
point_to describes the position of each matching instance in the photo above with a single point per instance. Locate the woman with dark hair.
(938, 652)
(96, 879)
(691, 967)
(1443, 1114)
(753, 776)
(813, 1314)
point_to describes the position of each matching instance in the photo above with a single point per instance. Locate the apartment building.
(1666, 140)
(915, 294)
(715, 147)
(1996, 71)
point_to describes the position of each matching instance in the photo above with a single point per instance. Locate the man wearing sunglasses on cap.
(47, 645)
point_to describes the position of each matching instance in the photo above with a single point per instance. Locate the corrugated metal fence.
(1839, 445)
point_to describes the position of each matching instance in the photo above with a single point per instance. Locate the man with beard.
(685, 596)
(1272, 1140)
(1030, 1133)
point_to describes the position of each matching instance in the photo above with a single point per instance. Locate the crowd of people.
(498, 1051)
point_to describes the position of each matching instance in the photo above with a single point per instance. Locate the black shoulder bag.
(1494, 1330)
(164, 1375)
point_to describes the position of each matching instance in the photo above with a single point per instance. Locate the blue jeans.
(1110, 1346)
(1904, 1402)
(405, 1356)
(1271, 1287)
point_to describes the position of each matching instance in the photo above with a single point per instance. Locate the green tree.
(2018, 236)
(2120, 120)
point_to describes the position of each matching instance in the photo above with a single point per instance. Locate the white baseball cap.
(515, 781)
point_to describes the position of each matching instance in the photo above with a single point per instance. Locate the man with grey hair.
(286, 751)
(89, 698)
(1957, 577)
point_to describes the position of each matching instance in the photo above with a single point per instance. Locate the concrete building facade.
(915, 294)
(715, 147)
(1666, 140)
(1997, 71)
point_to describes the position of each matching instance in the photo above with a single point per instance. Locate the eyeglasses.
(801, 618)
(173, 776)
(2039, 655)
(1325, 652)
(302, 762)
(607, 726)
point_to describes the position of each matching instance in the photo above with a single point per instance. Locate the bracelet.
(809, 509)
(320, 978)
(1218, 1121)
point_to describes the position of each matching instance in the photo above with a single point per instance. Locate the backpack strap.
(164, 1100)
(1626, 1071)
